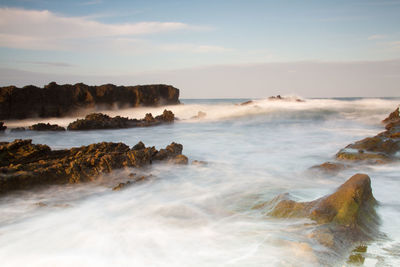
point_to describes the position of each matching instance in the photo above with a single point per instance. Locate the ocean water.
(204, 215)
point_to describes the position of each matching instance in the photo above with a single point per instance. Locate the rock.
(24, 165)
(102, 121)
(60, 100)
(199, 162)
(180, 159)
(18, 129)
(2, 126)
(279, 97)
(393, 117)
(330, 167)
(348, 206)
(382, 148)
(247, 103)
(167, 116)
(342, 220)
(46, 127)
(121, 186)
(200, 115)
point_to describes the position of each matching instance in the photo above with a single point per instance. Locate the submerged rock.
(60, 100)
(330, 167)
(24, 165)
(102, 121)
(18, 129)
(200, 115)
(279, 97)
(46, 127)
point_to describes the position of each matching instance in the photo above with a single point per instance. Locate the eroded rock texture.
(24, 165)
(59, 100)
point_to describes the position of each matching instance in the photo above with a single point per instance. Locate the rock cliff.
(59, 100)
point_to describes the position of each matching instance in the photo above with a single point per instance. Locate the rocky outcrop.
(342, 219)
(279, 97)
(24, 165)
(45, 127)
(59, 100)
(347, 206)
(381, 148)
(2, 126)
(102, 121)
(393, 117)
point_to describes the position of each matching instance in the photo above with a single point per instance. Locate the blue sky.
(97, 38)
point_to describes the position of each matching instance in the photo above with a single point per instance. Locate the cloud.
(395, 45)
(49, 63)
(44, 30)
(195, 48)
(376, 37)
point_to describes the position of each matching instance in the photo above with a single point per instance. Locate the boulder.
(348, 206)
(45, 127)
(342, 220)
(330, 167)
(24, 165)
(60, 100)
(102, 121)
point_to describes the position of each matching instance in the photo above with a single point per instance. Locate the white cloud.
(44, 30)
(376, 37)
(395, 45)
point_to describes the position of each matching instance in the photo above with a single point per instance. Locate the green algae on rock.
(345, 207)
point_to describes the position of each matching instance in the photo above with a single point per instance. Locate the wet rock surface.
(102, 121)
(24, 165)
(59, 100)
(344, 207)
(45, 127)
(342, 219)
(382, 148)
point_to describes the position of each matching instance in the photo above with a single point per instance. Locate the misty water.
(204, 215)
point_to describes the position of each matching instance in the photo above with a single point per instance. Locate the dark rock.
(247, 103)
(121, 186)
(167, 116)
(18, 129)
(46, 127)
(2, 126)
(279, 97)
(59, 100)
(24, 165)
(102, 121)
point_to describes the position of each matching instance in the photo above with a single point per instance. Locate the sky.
(208, 49)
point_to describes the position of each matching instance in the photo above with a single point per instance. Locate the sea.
(204, 214)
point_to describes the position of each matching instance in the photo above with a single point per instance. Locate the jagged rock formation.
(381, 148)
(46, 127)
(59, 100)
(103, 121)
(24, 165)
